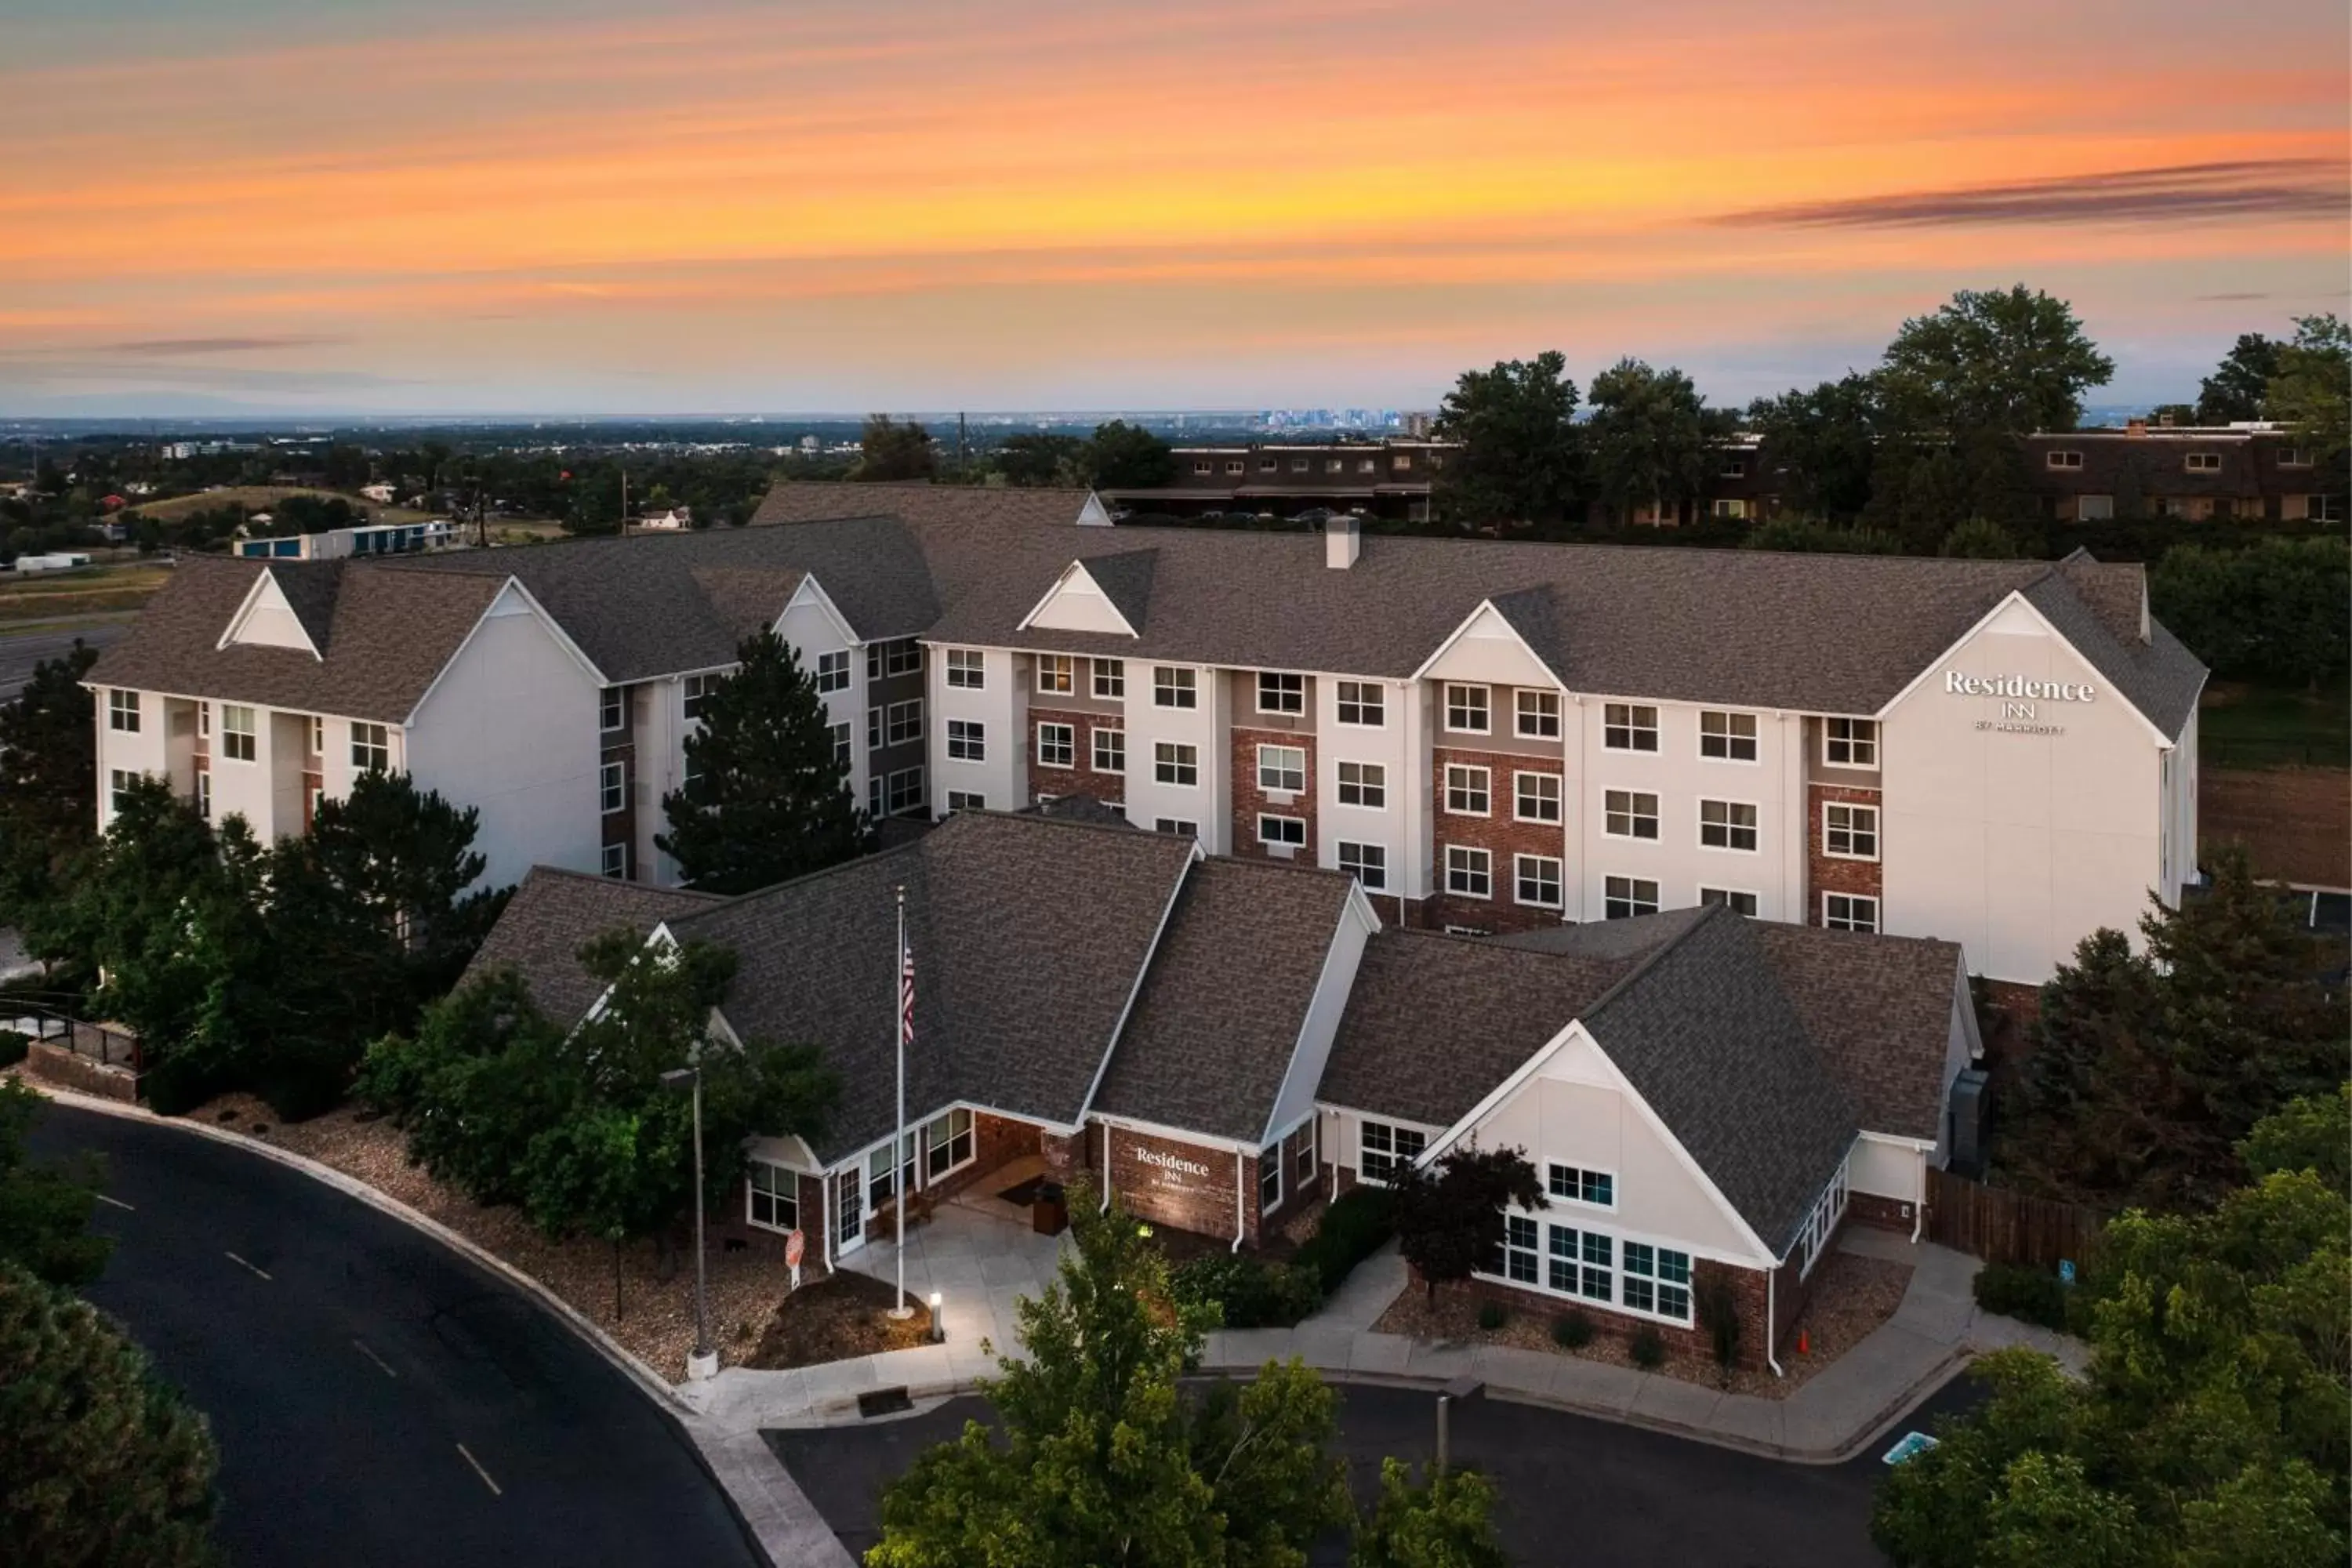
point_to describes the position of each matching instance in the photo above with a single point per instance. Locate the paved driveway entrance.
(978, 1260)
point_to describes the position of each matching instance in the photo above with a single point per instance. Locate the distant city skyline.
(273, 209)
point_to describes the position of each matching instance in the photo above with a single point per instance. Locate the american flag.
(905, 995)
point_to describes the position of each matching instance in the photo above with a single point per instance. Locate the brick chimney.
(1343, 541)
(2135, 428)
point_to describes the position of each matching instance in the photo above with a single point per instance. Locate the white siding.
(1681, 778)
(1391, 746)
(1322, 1023)
(1207, 728)
(1001, 707)
(144, 752)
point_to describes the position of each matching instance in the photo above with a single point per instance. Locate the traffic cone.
(1804, 1343)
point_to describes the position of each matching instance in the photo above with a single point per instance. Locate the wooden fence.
(2002, 1227)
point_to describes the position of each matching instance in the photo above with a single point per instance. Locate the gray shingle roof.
(553, 914)
(1879, 1010)
(1219, 1016)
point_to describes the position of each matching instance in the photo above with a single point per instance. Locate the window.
(1362, 702)
(1726, 825)
(2064, 459)
(315, 731)
(1267, 464)
(772, 1197)
(1176, 827)
(1384, 1150)
(968, 669)
(2095, 509)
(1368, 863)
(1732, 508)
(122, 712)
(1279, 693)
(1333, 465)
(1281, 768)
(906, 792)
(2294, 458)
(1534, 797)
(1402, 462)
(874, 795)
(1849, 912)
(884, 660)
(1269, 1178)
(615, 860)
(966, 800)
(612, 787)
(1517, 1258)
(948, 1143)
(1742, 903)
(1466, 709)
(1537, 714)
(203, 718)
(1622, 898)
(1822, 1224)
(371, 749)
(843, 737)
(1297, 465)
(848, 1208)
(1469, 872)
(1629, 727)
(1364, 783)
(1058, 746)
(205, 794)
(1233, 466)
(1201, 465)
(1173, 687)
(1850, 831)
(878, 1184)
(833, 671)
(2202, 462)
(906, 722)
(119, 786)
(236, 732)
(1536, 880)
(1733, 469)
(694, 692)
(1304, 1164)
(1056, 672)
(967, 741)
(1726, 737)
(1575, 1184)
(1657, 1281)
(1173, 762)
(1849, 742)
(1110, 751)
(1467, 790)
(611, 710)
(1365, 466)
(1281, 830)
(1581, 1262)
(1629, 814)
(1110, 678)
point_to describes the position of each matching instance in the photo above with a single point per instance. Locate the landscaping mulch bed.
(846, 1315)
(1852, 1297)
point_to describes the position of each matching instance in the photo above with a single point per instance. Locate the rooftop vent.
(1343, 541)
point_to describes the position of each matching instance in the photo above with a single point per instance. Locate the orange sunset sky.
(352, 205)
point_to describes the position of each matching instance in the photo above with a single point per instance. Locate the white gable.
(1358, 923)
(1077, 604)
(1094, 514)
(810, 622)
(266, 620)
(1487, 648)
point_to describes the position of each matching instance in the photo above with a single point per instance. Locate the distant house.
(668, 519)
(380, 493)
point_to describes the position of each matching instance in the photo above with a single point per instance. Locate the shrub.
(1252, 1292)
(1493, 1315)
(1647, 1349)
(1356, 1223)
(1718, 1309)
(14, 1047)
(1572, 1329)
(2018, 1290)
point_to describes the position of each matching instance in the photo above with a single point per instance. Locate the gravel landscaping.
(1854, 1296)
(846, 1315)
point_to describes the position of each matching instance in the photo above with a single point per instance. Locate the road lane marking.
(118, 1203)
(360, 1346)
(479, 1472)
(241, 1263)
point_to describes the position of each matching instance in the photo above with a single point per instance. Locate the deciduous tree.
(2272, 610)
(1825, 443)
(2310, 387)
(2002, 361)
(1449, 1216)
(889, 450)
(2240, 383)
(1447, 1521)
(1121, 455)
(1650, 439)
(1521, 465)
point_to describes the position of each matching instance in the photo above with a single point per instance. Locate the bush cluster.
(1358, 1224)
(1252, 1292)
(1648, 1349)
(1573, 1330)
(2021, 1291)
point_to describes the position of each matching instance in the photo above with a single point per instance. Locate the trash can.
(1049, 1213)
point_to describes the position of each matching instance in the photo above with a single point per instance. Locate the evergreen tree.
(1521, 466)
(770, 799)
(48, 784)
(43, 1213)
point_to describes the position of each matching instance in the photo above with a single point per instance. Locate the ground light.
(938, 1330)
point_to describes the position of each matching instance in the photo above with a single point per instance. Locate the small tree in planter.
(1449, 1218)
(1718, 1310)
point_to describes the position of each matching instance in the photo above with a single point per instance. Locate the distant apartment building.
(1387, 478)
(2257, 473)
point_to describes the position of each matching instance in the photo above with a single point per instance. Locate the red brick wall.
(996, 1142)
(1080, 778)
(1827, 874)
(1500, 834)
(621, 827)
(1186, 1200)
(1694, 1344)
(1249, 800)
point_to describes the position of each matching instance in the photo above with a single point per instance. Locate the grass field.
(67, 597)
(2245, 726)
(262, 497)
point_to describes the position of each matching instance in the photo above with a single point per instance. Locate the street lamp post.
(703, 1362)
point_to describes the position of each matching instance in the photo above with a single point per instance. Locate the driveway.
(376, 1398)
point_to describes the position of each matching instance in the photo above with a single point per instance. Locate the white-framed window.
(874, 788)
(1233, 464)
(2063, 458)
(1176, 827)
(1110, 751)
(371, 749)
(905, 721)
(1273, 829)
(1535, 714)
(1469, 791)
(1058, 746)
(2202, 462)
(1298, 465)
(949, 1144)
(1536, 798)
(1629, 814)
(1726, 737)
(1849, 912)
(771, 1197)
(968, 669)
(1111, 679)
(694, 692)
(1629, 727)
(1849, 742)
(879, 1174)
(315, 732)
(205, 794)
(967, 741)
(612, 787)
(1173, 686)
(1732, 468)
(122, 712)
(1176, 763)
(1281, 768)
(1655, 1280)
(844, 741)
(1364, 785)
(1823, 1223)
(615, 860)
(1726, 825)
(1467, 709)
(1536, 880)
(1402, 462)
(611, 710)
(1469, 872)
(833, 671)
(906, 792)
(1622, 898)
(1363, 703)
(1849, 832)
(966, 800)
(1365, 466)
(884, 660)
(204, 718)
(1732, 508)
(2095, 509)
(1518, 1256)
(1201, 466)
(1384, 1148)
(1368, 863)
(1280, 693)
(1303, 1166)
(1742, 903)
(2294, 458)
(1056, 673)
(119, 781)
(237, 736)
(1580, 1263)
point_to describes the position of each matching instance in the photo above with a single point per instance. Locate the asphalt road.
(1576, 1492)
(20, 654)
(377, 1398)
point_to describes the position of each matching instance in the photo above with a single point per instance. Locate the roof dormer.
(268, 619)
(1107, 594)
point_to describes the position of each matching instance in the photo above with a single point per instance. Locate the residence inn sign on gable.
(2020, 699)
(1169, 1171)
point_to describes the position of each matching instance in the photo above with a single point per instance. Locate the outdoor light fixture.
(938, 1333)
(703, 1361)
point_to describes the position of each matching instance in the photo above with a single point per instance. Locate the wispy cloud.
(2266, 189)
(176, 348)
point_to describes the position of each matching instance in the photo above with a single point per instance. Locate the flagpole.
(902, 1021)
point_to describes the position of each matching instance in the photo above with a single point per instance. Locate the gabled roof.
(1126, 581)
(553, 914)
(1879, 1010)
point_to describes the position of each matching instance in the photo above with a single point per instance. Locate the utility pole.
(959, 443)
